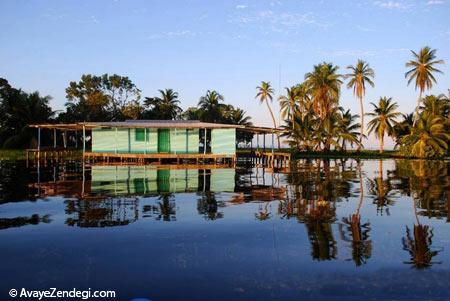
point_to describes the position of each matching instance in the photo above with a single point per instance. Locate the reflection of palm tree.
(263, 212)
(208, 206)
(381, 189)
(318, 222)
(166, 207)
(361, 245)
(419, 246)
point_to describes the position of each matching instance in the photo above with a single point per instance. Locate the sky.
(229, 46)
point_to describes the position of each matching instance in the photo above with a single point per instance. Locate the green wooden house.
(163, 137)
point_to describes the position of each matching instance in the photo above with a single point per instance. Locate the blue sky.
(229, 46)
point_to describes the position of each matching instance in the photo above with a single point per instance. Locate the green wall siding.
(107, 140)
(223, 141)
(184, 142)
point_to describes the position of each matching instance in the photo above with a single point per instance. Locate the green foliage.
(384, 118)
(17, 110)
(165, 107)
(102, 98)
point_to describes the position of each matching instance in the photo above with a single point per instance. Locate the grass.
(363, 154)
(12, 154)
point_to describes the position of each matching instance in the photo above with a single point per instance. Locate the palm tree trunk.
(361, 188)
(382, 144)
(416, 111)
(362, 123)
(273, 119)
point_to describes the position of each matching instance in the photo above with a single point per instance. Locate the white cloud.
(435, 2)
(366, 29)
(171, 34)
(393, 5)
(268, 20)
(91, 19)
(241, 6)
(362, 52)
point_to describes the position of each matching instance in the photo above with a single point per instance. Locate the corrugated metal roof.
(161, 124)
(194, 124)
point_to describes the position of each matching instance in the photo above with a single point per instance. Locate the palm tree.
(435, 106)
(360, 74)
(166, 106)
(324, 84)
(403, 128)
(429, 138)
(348, 129)
(210, 106)
(265, 94)
(384, 118)
(422, 72)
(288, 104)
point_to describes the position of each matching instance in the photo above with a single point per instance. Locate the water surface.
(323, 230)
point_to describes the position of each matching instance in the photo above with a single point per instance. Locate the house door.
(163, 140)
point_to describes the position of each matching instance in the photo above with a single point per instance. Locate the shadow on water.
(351, 215)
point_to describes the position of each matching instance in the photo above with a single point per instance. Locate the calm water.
(325, 230)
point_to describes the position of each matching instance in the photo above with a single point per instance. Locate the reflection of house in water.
(142, 180)
(107, 196)
(102, 213)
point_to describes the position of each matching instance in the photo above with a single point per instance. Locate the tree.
(210, 106)
(433, 105)
(360, 75)
(288, 104)
(384, 118)
(165, 107)
(403, 128)
(100, 98)
(428, 138)
(17, 110)
(422, 72)
(324, 84)
(348, 129)
(265, 95)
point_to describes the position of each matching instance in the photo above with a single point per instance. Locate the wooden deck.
(268, 158)
(160, 158)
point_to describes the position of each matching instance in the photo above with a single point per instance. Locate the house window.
(140, 134)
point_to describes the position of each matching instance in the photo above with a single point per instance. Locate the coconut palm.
(403, 128)
(288, 104)
(324, 84)
(265, 94)
(422, 72)
(429, 138)
(384, 118)
(210, 106)
(433, 105)
(360, 75)
(348, 129)
(165, 106)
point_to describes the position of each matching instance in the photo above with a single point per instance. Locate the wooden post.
(54, 138)
(264, 142)
(204, 143)
(39, 140)
(273, 142)
(84, 139)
